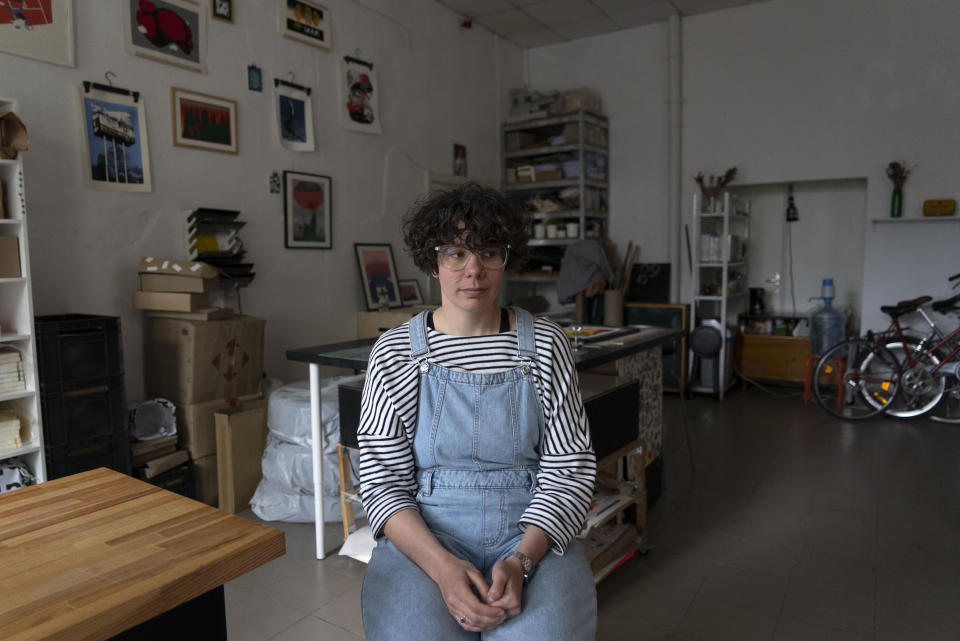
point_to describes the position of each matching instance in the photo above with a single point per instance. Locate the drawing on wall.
(305, 21)
(307, 211)
(170, 31)
(115, 128)
(378, 275)
(359, 96)
(203, 121)
(222, 10)
(254, 78)
(294, 116)
(40, 29)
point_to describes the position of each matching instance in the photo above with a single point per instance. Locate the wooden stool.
(807, 382)
(349, 494)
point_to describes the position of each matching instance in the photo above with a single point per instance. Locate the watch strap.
(529, 567)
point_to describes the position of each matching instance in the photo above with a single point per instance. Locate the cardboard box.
(151, 265)
(205, 480)
(9, 257)
(206, 314)
(549, 174)
(190, 361)
(241, 434)
(196, 423)
(172, 283)
(170, 301)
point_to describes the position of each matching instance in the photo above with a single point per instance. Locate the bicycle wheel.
(856, 379)
(920, 391)
(948, 410)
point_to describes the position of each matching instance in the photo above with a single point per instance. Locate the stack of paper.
(12, 375)
(9, 430)
(179, 286)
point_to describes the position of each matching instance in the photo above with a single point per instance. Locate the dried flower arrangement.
(898, 172)
(712, 186)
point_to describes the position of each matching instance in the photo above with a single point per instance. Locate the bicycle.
(894, 372)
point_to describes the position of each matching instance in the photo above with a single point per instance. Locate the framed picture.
(203, 121)
(115, 127)
(410, 292)
(305, 21)
(359, 96)
(307, 211)
(42, 29)
(170, 31)
(221, 10)
(459, 160)
(294, 117)
(378, 274)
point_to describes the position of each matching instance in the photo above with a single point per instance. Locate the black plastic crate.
(72, 348)
(111, 451)
(178, 480)
(78, 414)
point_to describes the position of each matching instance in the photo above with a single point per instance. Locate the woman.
(476, 458)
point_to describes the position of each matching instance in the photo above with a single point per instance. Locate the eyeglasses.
(456, 258)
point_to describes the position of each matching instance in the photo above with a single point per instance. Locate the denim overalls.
(476, 449)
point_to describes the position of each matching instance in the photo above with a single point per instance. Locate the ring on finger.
(462, 619)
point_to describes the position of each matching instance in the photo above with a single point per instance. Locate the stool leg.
(346, 507)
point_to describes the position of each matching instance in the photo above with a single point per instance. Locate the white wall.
(440, 84)
(789, 91)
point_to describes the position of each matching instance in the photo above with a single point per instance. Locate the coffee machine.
(757, 306)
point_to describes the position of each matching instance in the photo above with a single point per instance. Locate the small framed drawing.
(170, 31)
(294, 116)
(39, 30)
(221, 10)
(306, 21)
(378, 274)
(307, 211)
(203, 121)
(410, 292)
(115, 128)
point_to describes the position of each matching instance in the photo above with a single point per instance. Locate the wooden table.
(89, 556)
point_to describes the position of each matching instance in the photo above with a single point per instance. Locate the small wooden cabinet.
(771, 356)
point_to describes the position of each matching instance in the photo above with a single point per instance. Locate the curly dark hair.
(484, 217)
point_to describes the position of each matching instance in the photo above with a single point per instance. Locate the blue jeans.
(476, 447)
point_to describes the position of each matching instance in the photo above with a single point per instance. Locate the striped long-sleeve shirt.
(388, 421)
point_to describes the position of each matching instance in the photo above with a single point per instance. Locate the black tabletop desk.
(622, 349)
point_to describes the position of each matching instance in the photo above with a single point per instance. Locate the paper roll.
(613, 308)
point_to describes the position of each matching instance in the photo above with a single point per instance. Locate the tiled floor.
(793, 527)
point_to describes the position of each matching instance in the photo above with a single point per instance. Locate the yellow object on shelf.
(941, 207)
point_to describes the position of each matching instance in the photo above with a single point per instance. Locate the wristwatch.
(529, 567)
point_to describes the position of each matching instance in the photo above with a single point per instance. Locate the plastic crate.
(72, 348)
(112, 451)
(73, 415)
(178, 480)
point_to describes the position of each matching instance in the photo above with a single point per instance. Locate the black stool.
(706, 342)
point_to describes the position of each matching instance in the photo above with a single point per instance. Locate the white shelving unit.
(587, 148)
(719, 276)
(16, 318)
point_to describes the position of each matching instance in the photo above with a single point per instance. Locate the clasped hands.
(475, 605)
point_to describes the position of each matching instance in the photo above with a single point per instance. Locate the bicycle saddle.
(946, 305)
(905, 306)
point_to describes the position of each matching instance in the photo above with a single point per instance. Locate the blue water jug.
(827, 325)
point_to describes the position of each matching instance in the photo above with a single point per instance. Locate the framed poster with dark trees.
(378, 275)
(203, 121)
(307, 211)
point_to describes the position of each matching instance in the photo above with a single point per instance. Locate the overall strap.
(418, 337)
(526, 342)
